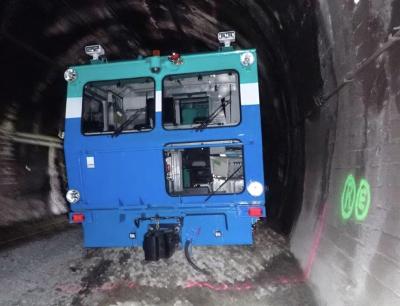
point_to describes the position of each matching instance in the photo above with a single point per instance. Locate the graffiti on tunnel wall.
(355, 201)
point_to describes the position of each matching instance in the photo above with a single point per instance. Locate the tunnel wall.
(32, 179)
(28, 185)
(351, 256)
(357, 132)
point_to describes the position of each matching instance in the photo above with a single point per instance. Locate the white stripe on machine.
(158, 101)
(249, 94)
(74, 108)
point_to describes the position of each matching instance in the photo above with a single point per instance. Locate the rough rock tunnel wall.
(350, 249)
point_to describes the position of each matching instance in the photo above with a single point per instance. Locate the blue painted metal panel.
(111, 228)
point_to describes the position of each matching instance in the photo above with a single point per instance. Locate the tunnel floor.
(56, 270)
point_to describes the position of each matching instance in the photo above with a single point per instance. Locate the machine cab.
(173, 140)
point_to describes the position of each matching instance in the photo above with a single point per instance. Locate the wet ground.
(54, 269)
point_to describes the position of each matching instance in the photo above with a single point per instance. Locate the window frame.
(202, 72)
(203, 144)
(124, 131)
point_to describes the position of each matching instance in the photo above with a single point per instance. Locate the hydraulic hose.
(188, 243)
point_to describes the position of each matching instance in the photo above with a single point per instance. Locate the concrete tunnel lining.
(305, 49)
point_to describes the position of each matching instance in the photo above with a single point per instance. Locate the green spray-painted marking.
(357, 200)
(363, 200)
(348, 197)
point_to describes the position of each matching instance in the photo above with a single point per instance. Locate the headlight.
(247, 59)
(255, 188)
(70, 75)
(73, 196)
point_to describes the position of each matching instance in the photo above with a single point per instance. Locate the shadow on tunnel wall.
(40, 39)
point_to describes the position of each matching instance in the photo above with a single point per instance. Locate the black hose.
(189, 259)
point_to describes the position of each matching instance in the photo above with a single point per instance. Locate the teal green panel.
(193, 63)
(190, 112)
(186, 178)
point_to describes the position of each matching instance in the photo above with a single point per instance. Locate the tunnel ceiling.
(39, 39)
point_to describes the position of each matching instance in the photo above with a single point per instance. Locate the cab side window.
(124, 105)
(201, 100)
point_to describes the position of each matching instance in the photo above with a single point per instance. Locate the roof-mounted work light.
(226, 38)
(95, 51)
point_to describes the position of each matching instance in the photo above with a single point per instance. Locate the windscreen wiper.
(220, 186)
(210, 118)
(128, 121)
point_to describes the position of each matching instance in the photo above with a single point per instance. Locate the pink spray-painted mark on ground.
(220, 286)
(280, 280)
(303, 277)
(237, 286)
(316, 242)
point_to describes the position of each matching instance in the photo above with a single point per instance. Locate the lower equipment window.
(204, 168)
(112, 107)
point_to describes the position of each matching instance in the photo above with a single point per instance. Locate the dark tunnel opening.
(52, 36)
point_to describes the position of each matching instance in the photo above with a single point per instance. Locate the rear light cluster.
(77, 218)
(255, 211)
(175, 58)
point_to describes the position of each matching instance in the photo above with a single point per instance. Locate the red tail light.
(78, 218)
(255, 211)
(174, 57)
(168, 168)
